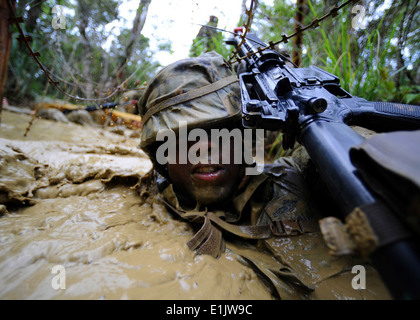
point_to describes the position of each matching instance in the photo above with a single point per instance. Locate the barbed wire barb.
(26, 39)
(333, 12)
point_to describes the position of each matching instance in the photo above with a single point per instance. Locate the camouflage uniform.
(268, 224)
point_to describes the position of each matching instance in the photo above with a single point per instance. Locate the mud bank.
(67, 199)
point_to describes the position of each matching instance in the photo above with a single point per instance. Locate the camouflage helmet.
(202, 91)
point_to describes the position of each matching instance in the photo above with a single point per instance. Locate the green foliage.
(378, 63)
(364, 60)
(215, 42)
(361, 69)
(77, 55)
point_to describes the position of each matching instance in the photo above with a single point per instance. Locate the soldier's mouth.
(207, 172)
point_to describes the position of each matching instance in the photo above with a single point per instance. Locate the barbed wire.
(333, 12)
(26, 41)
(249, 12)
(68, 68)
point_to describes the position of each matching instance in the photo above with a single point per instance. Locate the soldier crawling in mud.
(264, 219)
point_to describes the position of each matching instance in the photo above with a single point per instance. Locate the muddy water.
(67, 197)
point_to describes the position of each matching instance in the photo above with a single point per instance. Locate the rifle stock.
(309, 105)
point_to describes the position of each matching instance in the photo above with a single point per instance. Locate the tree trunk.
(83, 8)
(298, 39)
(138, 25)
(5, 42)
(204, 41)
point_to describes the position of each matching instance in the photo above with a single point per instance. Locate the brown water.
(70, 201)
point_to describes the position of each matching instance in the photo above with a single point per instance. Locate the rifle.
(308, 105)
(102, 106)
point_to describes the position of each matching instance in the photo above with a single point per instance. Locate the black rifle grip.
(405, 110)
(385, 116)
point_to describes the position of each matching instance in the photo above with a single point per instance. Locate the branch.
(138, 25)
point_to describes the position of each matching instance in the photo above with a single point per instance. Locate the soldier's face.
(210, 183)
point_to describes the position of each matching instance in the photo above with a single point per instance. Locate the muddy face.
(207, 183)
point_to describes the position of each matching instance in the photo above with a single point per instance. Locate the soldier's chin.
(209, 196)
